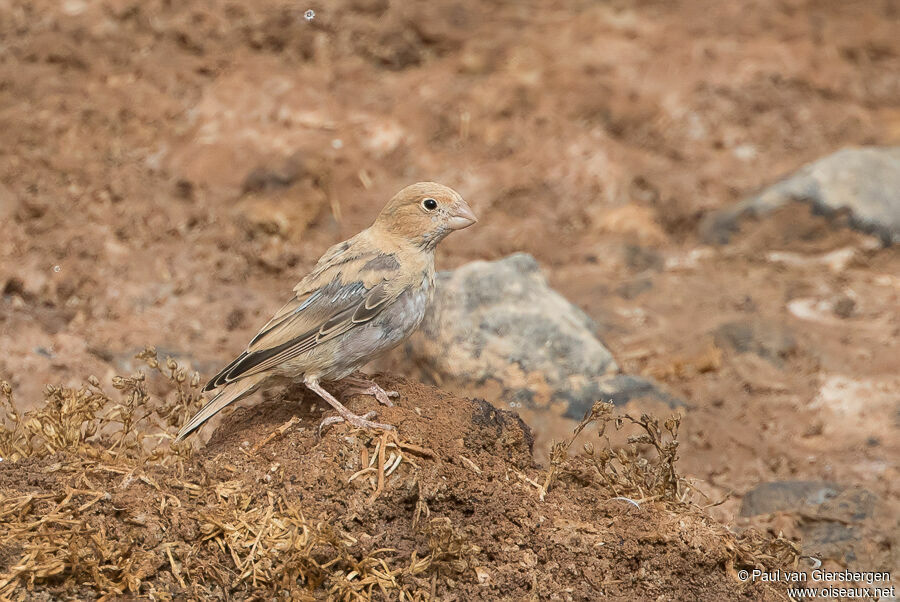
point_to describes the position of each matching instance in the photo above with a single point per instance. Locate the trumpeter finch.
(365, 295)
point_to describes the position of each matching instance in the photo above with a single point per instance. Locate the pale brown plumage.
(364, 296)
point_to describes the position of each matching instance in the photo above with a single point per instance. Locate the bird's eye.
(429, 204)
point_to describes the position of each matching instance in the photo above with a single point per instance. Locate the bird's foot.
(344, 415)
(362, 422)
(364, 386)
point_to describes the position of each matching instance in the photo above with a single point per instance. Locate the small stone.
(267, 178)
(745, 152)
(235, 318)
(633, 288)
(642, 258)
(843, 306)
(74, 8)
(758, 374)
(184, 189)
(482, 575)
(769, 340)
(281, 212)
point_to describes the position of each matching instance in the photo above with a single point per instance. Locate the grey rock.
(832, 540)
(643, 258)
(835, 522)
(634, 287)
(850, 504)
(783, 496)
(768, 340)
(262, 179)
(624, 388)
(863, 181)
(496, 329)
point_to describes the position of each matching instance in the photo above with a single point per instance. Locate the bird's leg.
(362, 422)
(364, 386)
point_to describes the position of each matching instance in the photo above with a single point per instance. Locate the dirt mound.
(96, 502)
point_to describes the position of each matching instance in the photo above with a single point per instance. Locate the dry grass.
(643, 471)
(100, 442)
(627, 472)
(90, 423)
(89, 432)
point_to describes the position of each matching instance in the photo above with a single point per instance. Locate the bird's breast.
(407, 312)
(393, 325)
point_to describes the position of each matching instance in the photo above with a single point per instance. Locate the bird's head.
(424, 213)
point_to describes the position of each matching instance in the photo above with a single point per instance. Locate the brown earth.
(169, 170)
(455, 510)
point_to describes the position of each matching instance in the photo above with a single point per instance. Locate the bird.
(363, 297)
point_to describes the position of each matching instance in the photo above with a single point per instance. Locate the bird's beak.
(462, 216)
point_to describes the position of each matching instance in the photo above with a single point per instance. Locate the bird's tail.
(228, 395)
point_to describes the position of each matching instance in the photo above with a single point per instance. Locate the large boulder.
(497, 329)
(864, 182)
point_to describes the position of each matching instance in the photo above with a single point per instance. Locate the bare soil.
(169, 170)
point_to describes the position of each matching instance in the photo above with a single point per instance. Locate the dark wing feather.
(345, 306)
(373, 304)
(346, 288)
(278, 332)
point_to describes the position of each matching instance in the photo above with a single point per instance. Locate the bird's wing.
(349, 286)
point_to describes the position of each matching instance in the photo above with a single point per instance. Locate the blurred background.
(169, 170)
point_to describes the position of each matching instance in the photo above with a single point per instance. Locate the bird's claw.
(383, 397)
(362, 422)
